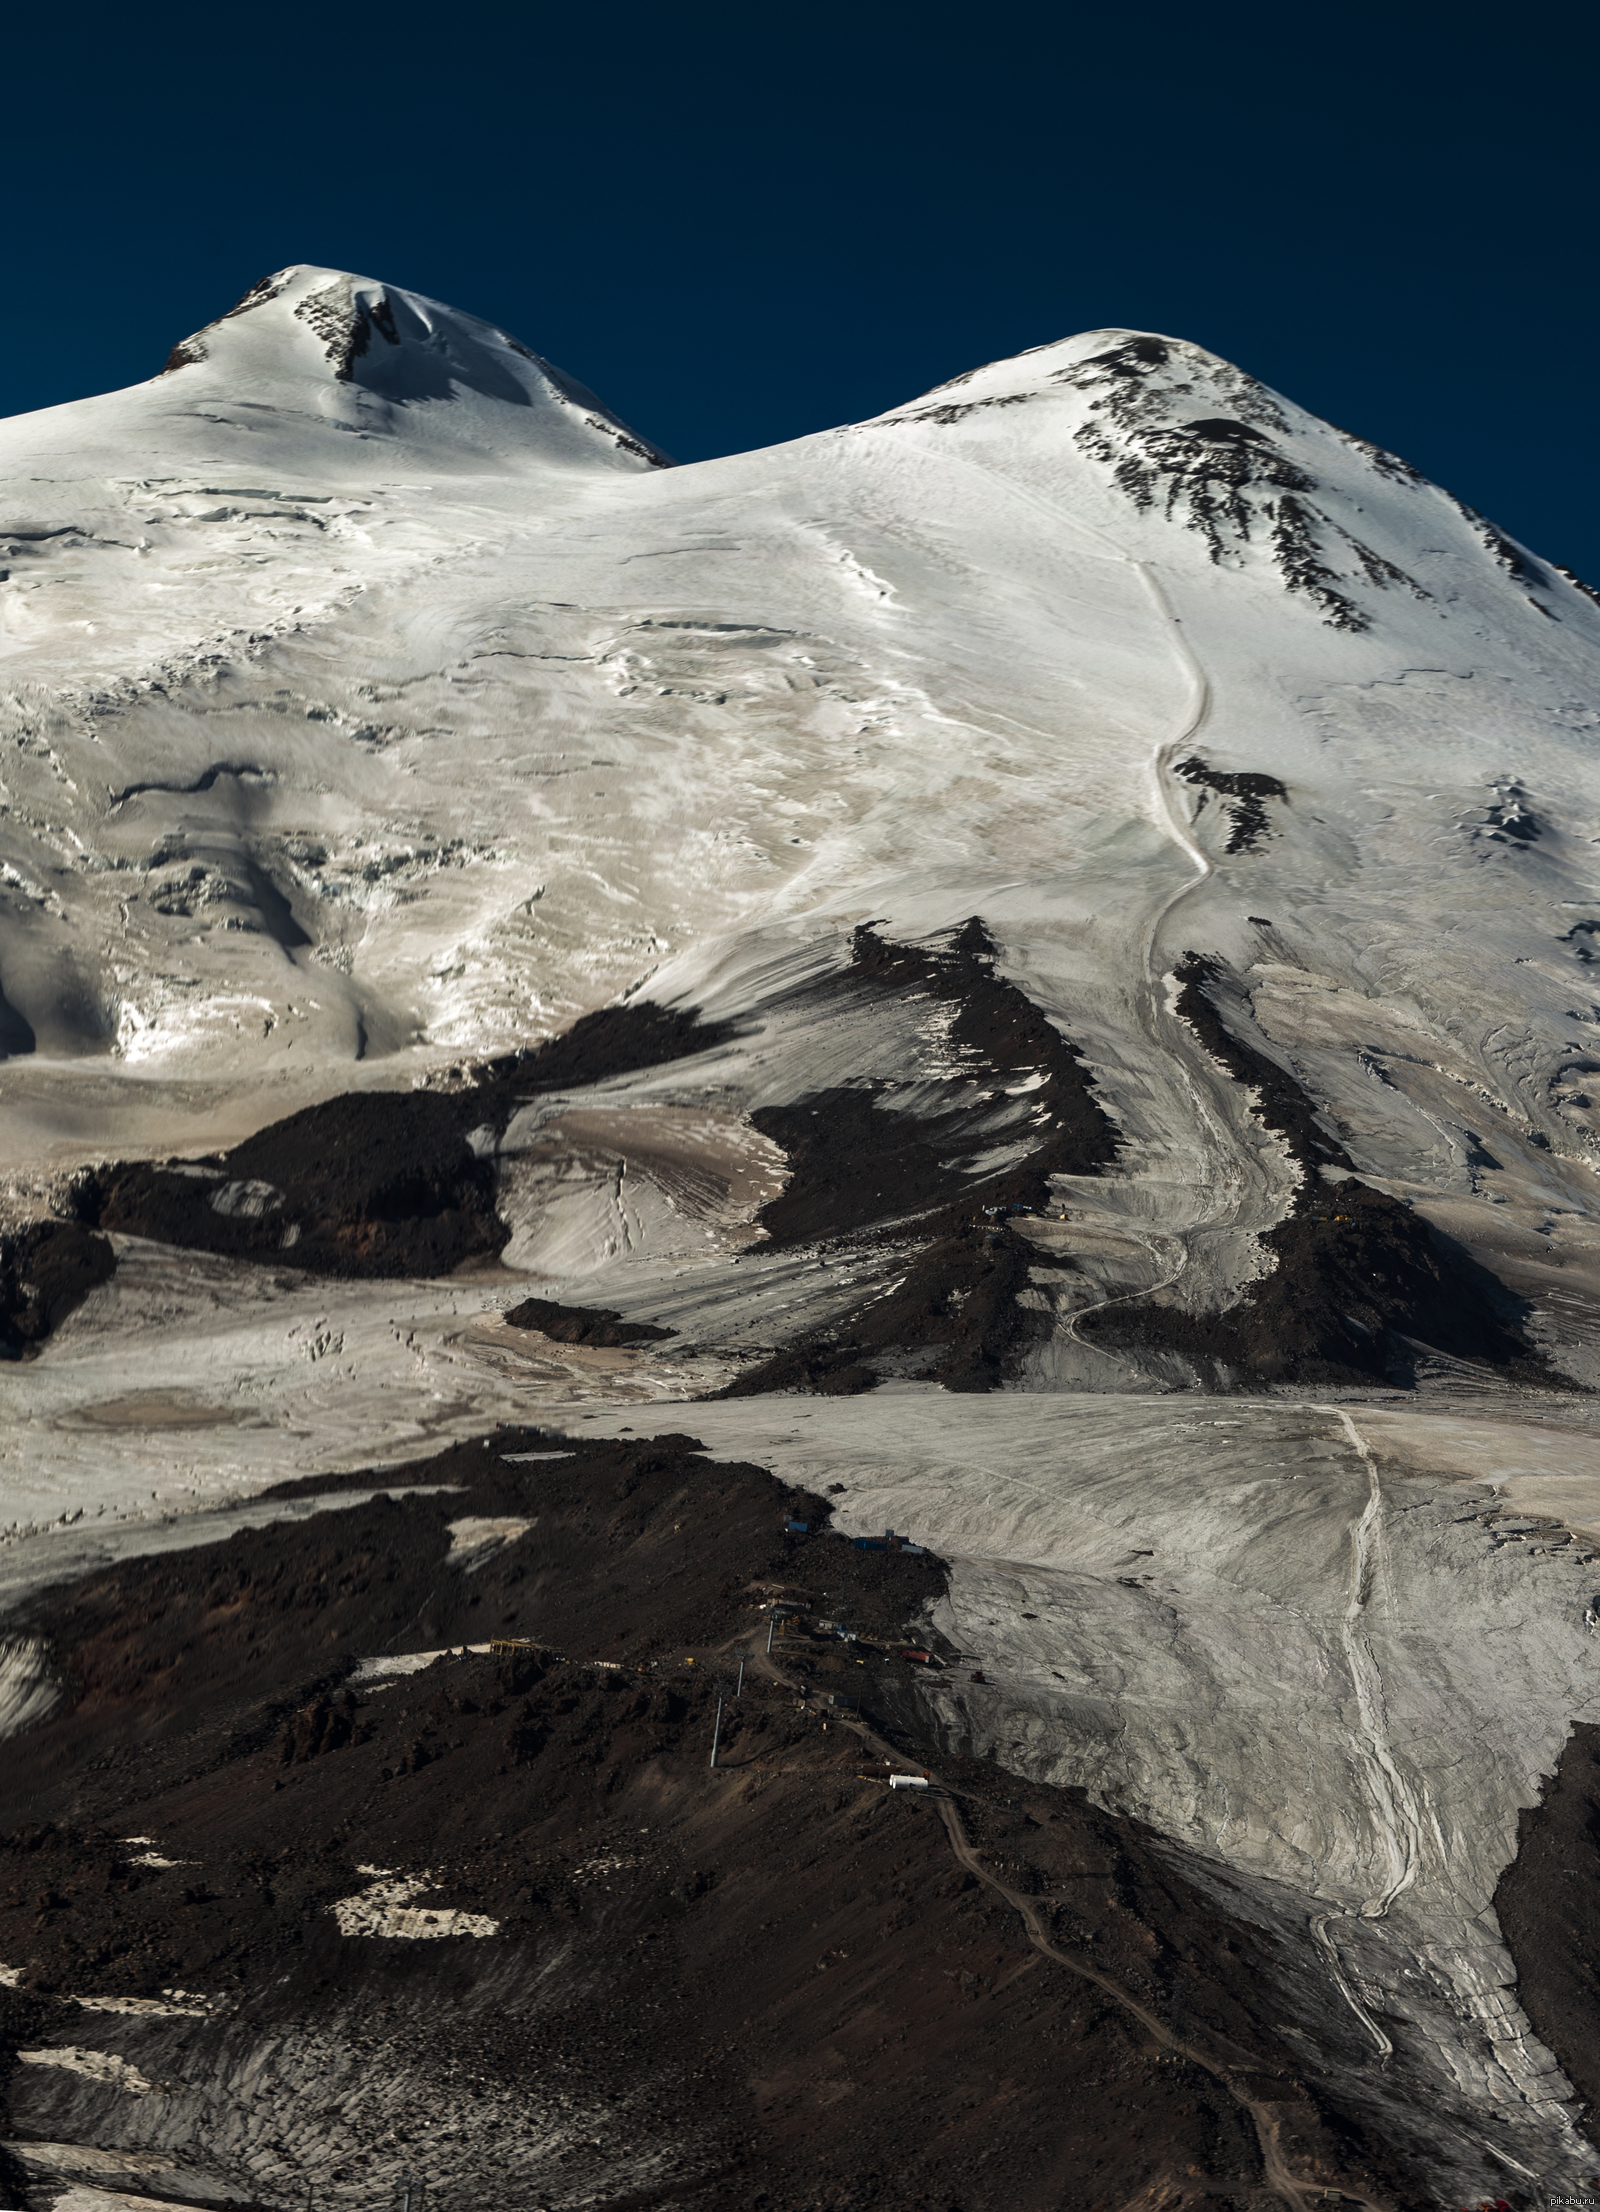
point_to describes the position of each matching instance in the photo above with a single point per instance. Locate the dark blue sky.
(740, 225)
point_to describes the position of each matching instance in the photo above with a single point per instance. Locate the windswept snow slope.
(373, 701)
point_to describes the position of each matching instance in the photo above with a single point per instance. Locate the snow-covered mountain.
(1097, 786)
(369, 692)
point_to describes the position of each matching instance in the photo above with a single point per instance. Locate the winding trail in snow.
(1219, 1200)
(1163, 758)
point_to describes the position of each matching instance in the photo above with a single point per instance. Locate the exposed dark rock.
(851, 1163)
(956, 1305)
(859, 1166)
(344, 325)
(380, 1183)
(598, 1325)
(46, 1271)
(1361, 1285)
(854, 1162)
(1223, 476)
(1361, 1282)
(615, 1041)
(1577, 582)
(1511, 819)
(264, 289)
(620, 437)
(1518, 563)
(1279, 1098)
(186, 354)
(949, 411)
(1247, 788)
(372, 1183)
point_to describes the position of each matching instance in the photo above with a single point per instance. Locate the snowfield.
(374, 702)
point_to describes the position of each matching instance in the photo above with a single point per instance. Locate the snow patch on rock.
(385, 1908)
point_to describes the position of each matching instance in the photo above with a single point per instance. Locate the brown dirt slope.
(771, 1985)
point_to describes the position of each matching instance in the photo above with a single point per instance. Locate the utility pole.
(715, 1734)
(411, 2195)
(739, 1688)
(772, 1625)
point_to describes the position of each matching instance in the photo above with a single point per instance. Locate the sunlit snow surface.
(371, 707)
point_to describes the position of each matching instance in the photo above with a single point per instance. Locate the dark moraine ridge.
(774, 1987)
(1361, 1281)
(46, 1271)
(1206, 985)
(380, 1183)
(1548, 1905)
(858, 1167)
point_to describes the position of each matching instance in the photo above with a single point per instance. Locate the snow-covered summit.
(1187, 439)
(310, 327)
(311, 360)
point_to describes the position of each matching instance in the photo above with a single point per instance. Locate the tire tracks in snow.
(1398, 1809)
(1392, 1802)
